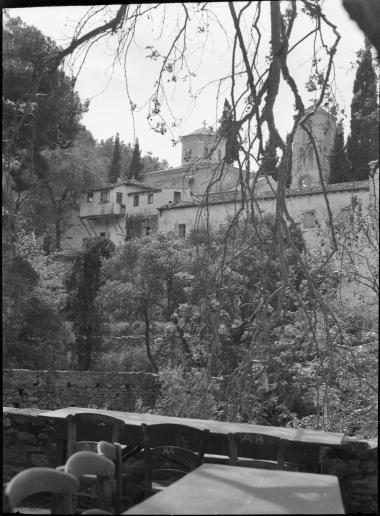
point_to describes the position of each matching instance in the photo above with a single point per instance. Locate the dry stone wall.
(27, 441)
(355, 464)
(49, 390)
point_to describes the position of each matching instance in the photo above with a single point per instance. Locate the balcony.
(98, 210)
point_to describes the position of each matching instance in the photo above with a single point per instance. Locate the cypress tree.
(339, 165)
(115, 168)
(364, 140)
(229, 130)
(83, 284)
(270, 160)
(135, 165)
(283, 165)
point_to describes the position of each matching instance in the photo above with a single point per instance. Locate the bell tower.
(204, 144)
(304, 164)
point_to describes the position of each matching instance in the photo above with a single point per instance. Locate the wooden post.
(232, 449)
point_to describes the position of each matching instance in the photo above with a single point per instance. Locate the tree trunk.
(185, 344)
(147, 342)
(84, 352)
(58, 235)
(170, 298)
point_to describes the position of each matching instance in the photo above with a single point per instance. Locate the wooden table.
(218, 489)
(219, 430)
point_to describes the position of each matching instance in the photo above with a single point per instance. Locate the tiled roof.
(203, 131)
(230, 196)
(336, 187)
(150, 189)
(132, 182)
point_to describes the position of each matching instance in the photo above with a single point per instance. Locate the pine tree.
(340, 171)
(364, 140)
(135, 166)
(115, 168)
(270, 160)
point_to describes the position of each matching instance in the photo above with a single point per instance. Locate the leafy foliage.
(34, 335)
(193, 316)
(187, 393)
(220, 348)
(51, 201)
(41, 109)
(141, 285)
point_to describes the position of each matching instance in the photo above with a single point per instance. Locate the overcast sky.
(105, 85)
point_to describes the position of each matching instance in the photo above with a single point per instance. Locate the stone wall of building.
(224, 207)
(49, 390)
(28, 442)
(140, 225)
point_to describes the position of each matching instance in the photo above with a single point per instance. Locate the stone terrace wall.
(355, 464)
(27, 442)
(49, 390)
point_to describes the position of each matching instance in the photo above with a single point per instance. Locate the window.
(119, 197)
(104, 194)
(188, 153)
(150, 198)
(90, 196)
(182, 230)
(135, 200)
(309, 219)
(205, 152)
(102, 234)
(177, 196)
(147, 230)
